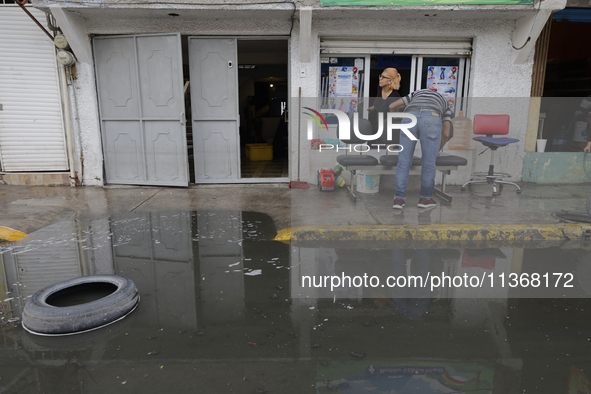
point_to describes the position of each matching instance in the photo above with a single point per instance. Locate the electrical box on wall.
(65, 58)
(60, 41)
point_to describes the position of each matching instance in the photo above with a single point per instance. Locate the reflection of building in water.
(189, 267)
(227, 325)
(155, 251)
(221, 266)
(41, 259)
(446, 309)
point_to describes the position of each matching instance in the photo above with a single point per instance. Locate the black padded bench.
(445, 164)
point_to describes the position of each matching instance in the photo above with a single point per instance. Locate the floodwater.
(224, 309)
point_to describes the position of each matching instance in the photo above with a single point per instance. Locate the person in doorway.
(387, 94)
(432, 129)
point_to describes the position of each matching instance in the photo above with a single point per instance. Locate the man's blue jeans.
(428, 131)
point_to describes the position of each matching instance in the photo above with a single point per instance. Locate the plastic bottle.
(462, 133)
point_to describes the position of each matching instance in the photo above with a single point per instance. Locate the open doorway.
(567, 82)
(235, 101)
(262, 81)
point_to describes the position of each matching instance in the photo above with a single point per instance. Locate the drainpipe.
(66, 101)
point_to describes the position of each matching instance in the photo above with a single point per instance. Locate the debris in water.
(358, 355)
(254, 272)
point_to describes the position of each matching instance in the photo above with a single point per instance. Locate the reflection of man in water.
(411, 302)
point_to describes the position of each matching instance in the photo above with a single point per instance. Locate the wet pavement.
(225, 308)
(28, 208)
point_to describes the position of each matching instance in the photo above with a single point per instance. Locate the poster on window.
(443, 79)
(343, 88)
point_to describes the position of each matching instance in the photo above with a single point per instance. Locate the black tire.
(41, 318)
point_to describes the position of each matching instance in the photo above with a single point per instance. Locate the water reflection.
(224, 307)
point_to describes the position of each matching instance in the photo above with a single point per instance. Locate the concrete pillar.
(531, 134)
(87, 134)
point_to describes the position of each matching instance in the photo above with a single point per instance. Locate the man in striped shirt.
(432, 129)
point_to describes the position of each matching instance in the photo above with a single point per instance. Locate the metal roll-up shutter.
(32, 134)
(431, 47)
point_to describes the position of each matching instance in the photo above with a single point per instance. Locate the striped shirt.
(429, 100)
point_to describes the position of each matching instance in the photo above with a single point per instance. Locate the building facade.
(176, 93)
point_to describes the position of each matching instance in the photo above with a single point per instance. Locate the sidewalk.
(28, 208)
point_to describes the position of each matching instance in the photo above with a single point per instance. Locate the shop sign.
(418, 2)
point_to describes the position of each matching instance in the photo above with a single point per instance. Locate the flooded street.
(224, 308)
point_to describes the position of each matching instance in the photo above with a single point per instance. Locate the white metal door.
(32, 134)
(214, 101)
(141, 100)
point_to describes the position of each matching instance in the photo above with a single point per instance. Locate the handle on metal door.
(230, 64)
(183, 118)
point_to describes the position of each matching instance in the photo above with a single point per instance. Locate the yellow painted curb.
(436, 232)
(10, 234)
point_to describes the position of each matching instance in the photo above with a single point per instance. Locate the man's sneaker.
(424, 203)
(398, 203)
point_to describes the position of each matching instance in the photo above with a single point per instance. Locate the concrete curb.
(497, 233)
(10, 234)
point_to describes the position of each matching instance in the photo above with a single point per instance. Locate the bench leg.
(352, 185)
(441, 192)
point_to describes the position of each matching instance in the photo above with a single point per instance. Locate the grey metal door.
(140, 89)
(214, 100)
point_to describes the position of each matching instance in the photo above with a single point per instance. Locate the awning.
(402, 46)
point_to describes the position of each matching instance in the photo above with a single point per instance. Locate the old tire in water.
(50, 312)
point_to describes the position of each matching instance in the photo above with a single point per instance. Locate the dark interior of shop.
(262, 80)
(567, 82)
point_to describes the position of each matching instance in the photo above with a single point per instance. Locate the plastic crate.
(259, 152)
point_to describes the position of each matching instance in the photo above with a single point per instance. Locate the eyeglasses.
(383, 77)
